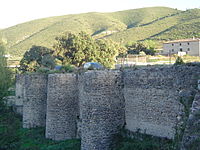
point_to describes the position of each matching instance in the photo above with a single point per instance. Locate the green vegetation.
(13, 137)
(77, 49)
(5, 75)
(187, 27)
(142, 16)
(143, 28)
(179, 61)
(36, 58)
(145, 142)
(147, 47)
(70, 49)
(159, 59)
(156, 23)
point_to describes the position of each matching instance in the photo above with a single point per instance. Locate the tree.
(5, 74)
(36, 58)
(77, 49)
(137, 47)
(108, 51)
(150, 47)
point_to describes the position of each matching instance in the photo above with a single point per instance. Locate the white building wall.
(191, 48)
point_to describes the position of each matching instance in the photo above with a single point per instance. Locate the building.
(187, 46)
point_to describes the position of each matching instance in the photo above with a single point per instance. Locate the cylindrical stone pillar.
(101, 108)
(34, 104)
(62, 107)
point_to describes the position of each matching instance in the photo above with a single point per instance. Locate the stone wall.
(191, 136)
(102, 109)
(152, 97)
(62, 106)
(19, 93)
(145, 99)
(34, 104)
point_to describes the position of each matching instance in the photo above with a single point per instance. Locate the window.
(172, 50)
(181, 49)
(188, 49)
(188, 43)
(180, 44)
(172, 44)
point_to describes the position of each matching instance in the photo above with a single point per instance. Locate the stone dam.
(97, 104)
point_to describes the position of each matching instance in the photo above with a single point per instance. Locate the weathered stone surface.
(152, 103)
(62, 106)
(19, 93)
(192, 132)
(152, 97)
(10, 100)
(34, 104)
(102, 109)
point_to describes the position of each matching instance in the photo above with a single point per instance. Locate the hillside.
(158, 23)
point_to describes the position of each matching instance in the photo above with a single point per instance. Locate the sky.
(13, 12)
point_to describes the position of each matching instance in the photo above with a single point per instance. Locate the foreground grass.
(13, 137)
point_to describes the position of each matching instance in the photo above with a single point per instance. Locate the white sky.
(13, 12)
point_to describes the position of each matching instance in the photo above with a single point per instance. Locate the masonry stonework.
(102, 109)
(62, 106)
(34, 104)
(99, 103)
(152, 98)
(191, 136)
(19, 93)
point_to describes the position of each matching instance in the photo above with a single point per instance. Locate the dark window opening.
(188, 49)
(172, 50)
(172, 44)
(180, 44)
(188, 43)
(181, 49)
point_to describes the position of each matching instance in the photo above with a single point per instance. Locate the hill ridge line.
(39, 31)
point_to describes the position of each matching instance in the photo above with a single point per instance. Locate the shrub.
(67, 68)
(43, 70)
(179, 61)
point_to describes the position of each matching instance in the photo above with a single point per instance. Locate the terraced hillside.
(159, 23)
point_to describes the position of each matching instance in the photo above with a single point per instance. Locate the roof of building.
(183, 40)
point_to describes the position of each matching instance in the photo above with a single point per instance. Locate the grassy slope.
(135, 17)
(130, 25)
(85, 22)
(188, 26)
(180, 25)
(144, 32)
(43, 31)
